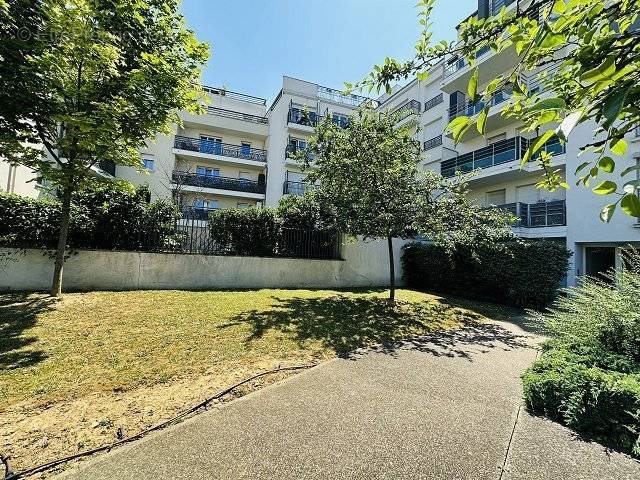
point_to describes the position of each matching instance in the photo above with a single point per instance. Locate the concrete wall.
(365, 264)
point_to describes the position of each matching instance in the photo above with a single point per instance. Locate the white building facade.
(239, 154)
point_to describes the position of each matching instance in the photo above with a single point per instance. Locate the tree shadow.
(346, 324)
(18, 313)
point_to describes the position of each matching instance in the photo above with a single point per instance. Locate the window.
(244, 175)
(208, 171)
(297, 144)
(497, 197)
(243, 205)
(340, 120)
(212, 145)
(202, 204)
(149, 163)
(245, 148)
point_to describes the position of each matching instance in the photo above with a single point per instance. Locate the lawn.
(74, 372)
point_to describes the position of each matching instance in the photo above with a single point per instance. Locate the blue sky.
(255, 42)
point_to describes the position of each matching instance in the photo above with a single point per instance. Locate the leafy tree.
(89, 81)
(370, 180)
(589, 54)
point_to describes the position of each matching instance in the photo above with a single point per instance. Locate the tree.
(89, 81)
(590, 51)
(370, 181)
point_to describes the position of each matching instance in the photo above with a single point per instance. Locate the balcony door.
(599, 260)
(211, 145)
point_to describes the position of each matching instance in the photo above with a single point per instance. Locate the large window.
(203, 204)
(212, 145)
(208, 171)
(149, 163)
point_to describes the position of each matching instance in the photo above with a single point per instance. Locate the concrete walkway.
(446, 407)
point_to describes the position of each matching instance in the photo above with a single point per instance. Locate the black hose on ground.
(9, 475)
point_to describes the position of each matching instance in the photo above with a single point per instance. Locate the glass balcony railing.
(535, 215)
(469, 109)
(497, 153)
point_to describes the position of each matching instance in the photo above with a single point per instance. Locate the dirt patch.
(33, 436)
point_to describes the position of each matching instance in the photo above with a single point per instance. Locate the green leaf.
(458, 127)
(537, 145)
(472, 88)
(482, 120)
(630, 205)
(603, 71)
(582, 166)
(628, 170)
(618, 146)
(555, 103)
(613, 106)
(569, 123)
(606, 164)
(605, 188)
(607, 212)
(631, 187)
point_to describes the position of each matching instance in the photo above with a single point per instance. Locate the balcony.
(337, 96)
(219, 183)
(193, 213)
(247, 117)
(536, 215)
(469, 109)
(434, 102)
(218, 148)
(497, 153)
(303, 117)
(294, 188)
(410, 107)
(243, 97)
(432, 143)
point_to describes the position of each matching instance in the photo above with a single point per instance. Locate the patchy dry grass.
(74, 372)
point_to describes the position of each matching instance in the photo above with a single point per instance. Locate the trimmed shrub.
(251, 231)
(105, 216)
(600, 403)
(522, 273)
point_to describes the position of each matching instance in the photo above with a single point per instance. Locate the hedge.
(520, 273)
(582, 393)
(102, 217)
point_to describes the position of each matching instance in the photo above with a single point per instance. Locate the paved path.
(446, 407)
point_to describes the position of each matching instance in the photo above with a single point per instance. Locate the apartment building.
(239, 153)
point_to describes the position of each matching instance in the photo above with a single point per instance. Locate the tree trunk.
(56, 286)
(392, 273)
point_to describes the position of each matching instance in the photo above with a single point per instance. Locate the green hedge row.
(102, 217)
(583, 392)
(523, 273)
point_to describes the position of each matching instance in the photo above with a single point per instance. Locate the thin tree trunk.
(56, 286)
(392, 273)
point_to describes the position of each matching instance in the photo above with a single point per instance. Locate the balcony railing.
(410, 107)
(302, 117)
(292, 150)
(435, 101)
(235, 95)
(217, 148)
(294, 188)
(339, 97)
(220, 183)
(195, 213)
(468, 108)
(432, 143)
(107, 166)
(497, 153)
(247, 117)
(541, 214)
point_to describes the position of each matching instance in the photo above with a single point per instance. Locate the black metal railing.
(218, 148)
(107, 166)
(541, 214)
(294, 188)
(247, 117)
(432, 143)
(220, 183)
(235, 95)
(303, 117)
(195, 213)
(410, 107)
(497, 153)
(435, 101)
(292, 150)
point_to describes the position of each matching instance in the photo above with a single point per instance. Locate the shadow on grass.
(18, 313)
(345, 324)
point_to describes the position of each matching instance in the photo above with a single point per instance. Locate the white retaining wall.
(364, 264)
